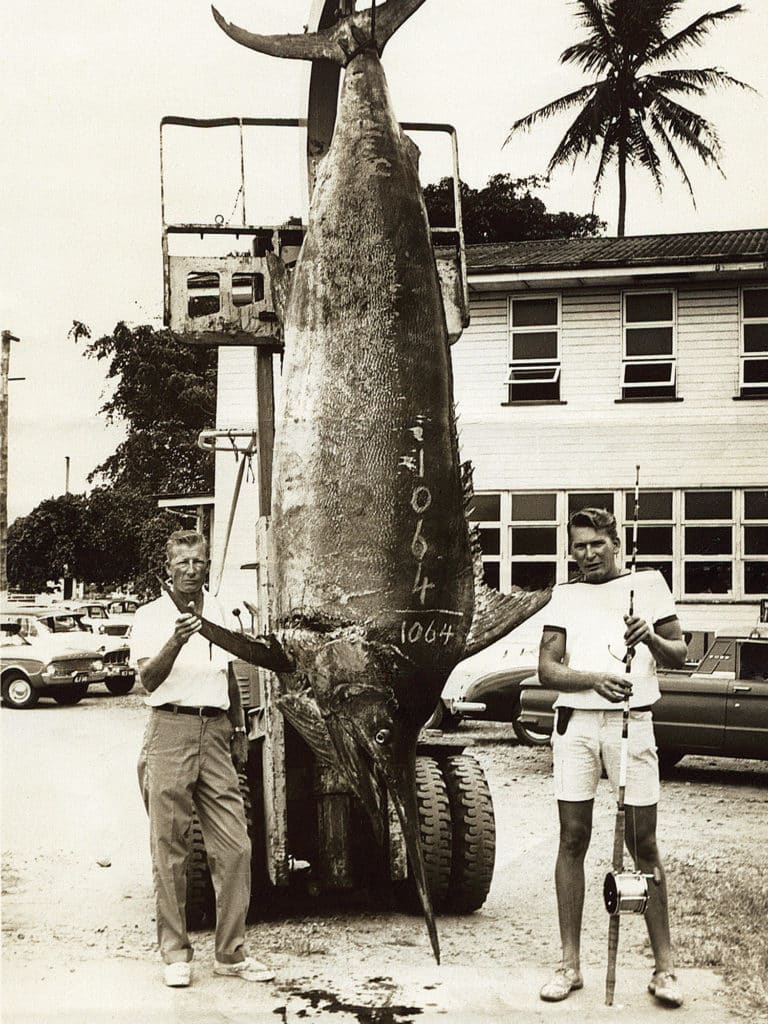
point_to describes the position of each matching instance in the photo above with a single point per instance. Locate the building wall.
(591, 442)
(235, 410)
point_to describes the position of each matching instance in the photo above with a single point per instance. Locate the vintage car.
(64, 629)
(487, 686)
(100, 618)
(718, 706)
(32, 669)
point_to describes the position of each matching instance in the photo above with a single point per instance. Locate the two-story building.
(587, 357)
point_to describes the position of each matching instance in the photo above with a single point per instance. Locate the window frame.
(751, 390)
(629, 390)
(552, 364)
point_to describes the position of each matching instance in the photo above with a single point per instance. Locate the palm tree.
(629, 108)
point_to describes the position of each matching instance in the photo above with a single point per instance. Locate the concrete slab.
(118, 991)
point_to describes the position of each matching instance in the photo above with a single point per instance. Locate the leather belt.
(645, 707)
(179, 709)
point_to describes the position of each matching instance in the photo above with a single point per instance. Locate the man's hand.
(613, 688)
(638, 631)
(239, 750)
(186, 626)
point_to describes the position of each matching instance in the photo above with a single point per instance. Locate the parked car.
(487, 687)
(32, 669)
(718, 706)
(65, 629)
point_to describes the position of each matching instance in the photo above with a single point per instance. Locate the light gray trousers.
(185, 766)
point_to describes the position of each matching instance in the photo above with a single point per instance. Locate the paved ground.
(78, 934)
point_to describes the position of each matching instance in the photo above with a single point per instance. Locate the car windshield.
(12, 640)
(65, 624)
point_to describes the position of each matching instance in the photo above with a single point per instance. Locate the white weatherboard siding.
(235, 409)
(591, 441)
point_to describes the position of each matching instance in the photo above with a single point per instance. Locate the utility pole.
(5, 359)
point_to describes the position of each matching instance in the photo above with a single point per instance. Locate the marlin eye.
(383, 736)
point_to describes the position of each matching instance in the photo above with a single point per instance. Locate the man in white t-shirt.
(194, 741)
(583, 645)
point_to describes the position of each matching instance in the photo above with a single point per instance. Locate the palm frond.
(674, 159)
(693, 34)
(607, 154)
(643, 152)
(688, 127)
(592, 16)
(699, 78)
(593, 121)
(588, 55)
(552, 109)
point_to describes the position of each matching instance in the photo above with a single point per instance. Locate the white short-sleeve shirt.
(199, 675)
(591, 616)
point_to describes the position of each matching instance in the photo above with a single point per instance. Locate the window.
(755, 542)
(486, 512)
(655, 531)
(648, 368)
(753, 382)
(247, 288)
(203, 294)
(708, 542)
(533, 540)
(534, 369)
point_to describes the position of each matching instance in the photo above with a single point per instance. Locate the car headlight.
(49, 670)
(97, 665)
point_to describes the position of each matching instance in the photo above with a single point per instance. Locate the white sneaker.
(178, 974)
(248, 969)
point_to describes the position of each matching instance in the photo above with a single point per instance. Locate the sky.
(84, 85)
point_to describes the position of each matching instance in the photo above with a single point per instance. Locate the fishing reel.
(626, 892)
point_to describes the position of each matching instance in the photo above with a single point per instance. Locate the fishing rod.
(624, 892)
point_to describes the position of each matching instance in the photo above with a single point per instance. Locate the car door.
(692, 711)
(747, 711)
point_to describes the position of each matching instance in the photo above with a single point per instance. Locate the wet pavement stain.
(327, 1002)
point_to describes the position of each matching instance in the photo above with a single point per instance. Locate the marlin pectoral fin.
(264, 651)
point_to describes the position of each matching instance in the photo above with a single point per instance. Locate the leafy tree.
(630, 109)
(46, 543)
(505, 210)
(166, 394)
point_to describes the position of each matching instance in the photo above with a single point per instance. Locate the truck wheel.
(473, 833)
(435, 832)
(17, 691)
(201, 896)
(119, 687)
(70, 695)
(528, 736)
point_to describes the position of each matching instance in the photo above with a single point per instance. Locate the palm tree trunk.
(622, 159)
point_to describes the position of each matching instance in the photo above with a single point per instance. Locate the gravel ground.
(76, 873)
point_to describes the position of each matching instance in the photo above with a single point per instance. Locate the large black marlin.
(376, 595)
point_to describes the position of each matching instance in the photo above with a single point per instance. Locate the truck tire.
(70, 695)
(473, 834)
(17, 691)
(435, 832)
(119, 687)
(201, 896)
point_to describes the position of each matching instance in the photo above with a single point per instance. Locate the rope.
(246, 461)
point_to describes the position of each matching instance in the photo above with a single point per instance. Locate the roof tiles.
(633, 251)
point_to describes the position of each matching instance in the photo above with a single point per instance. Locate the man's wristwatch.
(240, 728)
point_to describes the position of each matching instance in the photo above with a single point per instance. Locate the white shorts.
(593, 739)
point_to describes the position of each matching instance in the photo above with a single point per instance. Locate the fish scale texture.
(367, 413)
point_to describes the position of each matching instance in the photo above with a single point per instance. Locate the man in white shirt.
(194, 741)
(583, 644)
